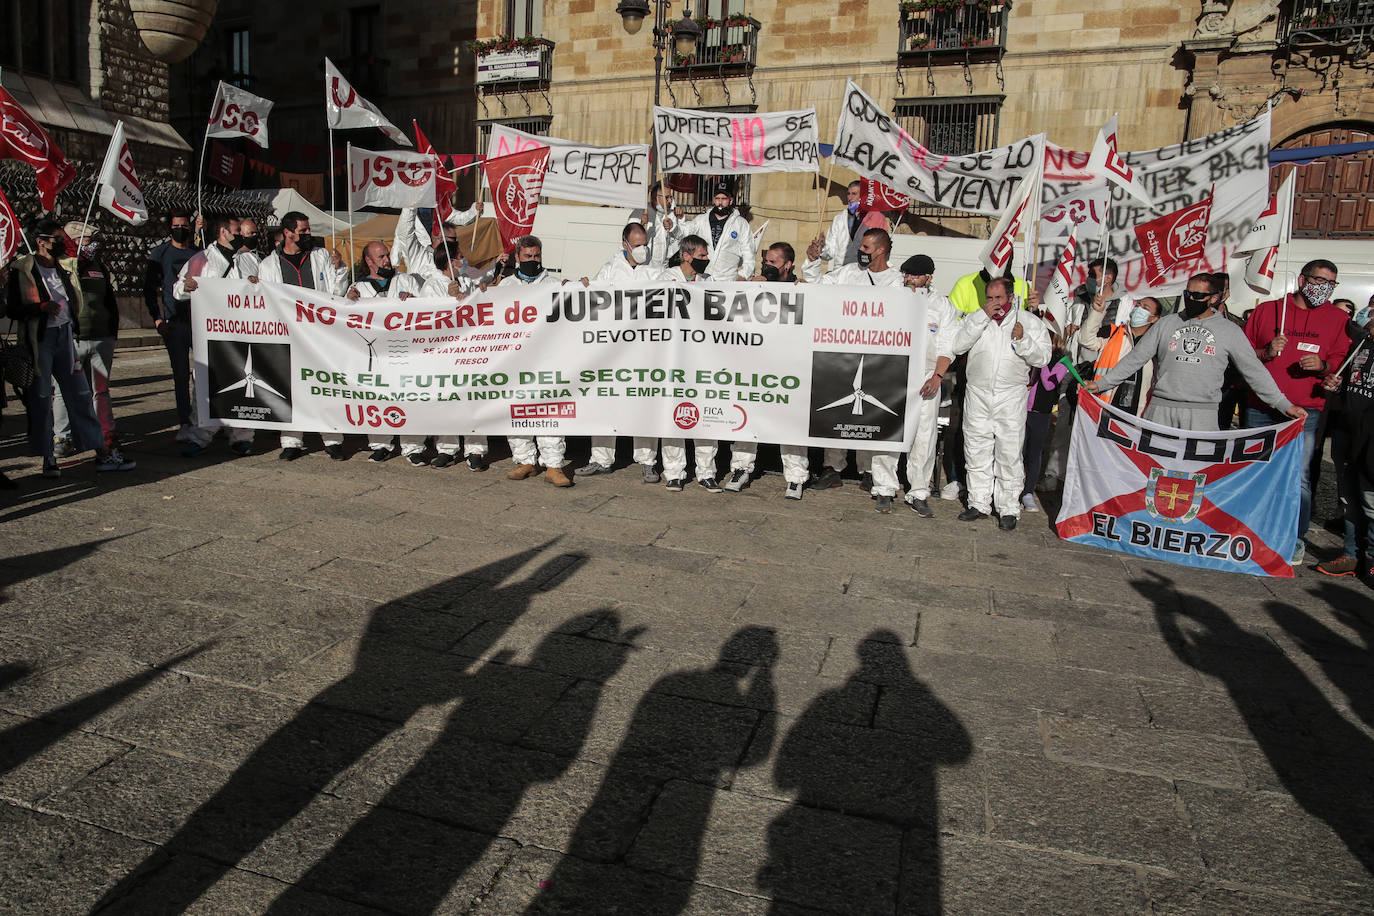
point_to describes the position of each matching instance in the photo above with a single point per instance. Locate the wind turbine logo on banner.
(371, 349)
(860, 397)
(251, 381)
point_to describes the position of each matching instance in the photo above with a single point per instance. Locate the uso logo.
(686, 415)
(375, 416)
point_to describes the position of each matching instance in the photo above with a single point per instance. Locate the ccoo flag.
(1023, 210)
(1220, 500)
(345, 109)
(120, 192)
(23, 138)
(517, 183)
(1269, 233)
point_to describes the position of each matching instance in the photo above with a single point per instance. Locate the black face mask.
(248, 242)
(181, 234)
(699, 265)
(529, 269)
(238, 243)
(1194, 304)
(721, 212)
(771, 273)
(305, 241)
(386, 273)
(864, 259)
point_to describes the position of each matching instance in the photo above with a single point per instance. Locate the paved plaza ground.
(245, 686)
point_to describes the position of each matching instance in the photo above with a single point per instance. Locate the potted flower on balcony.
(501, 44)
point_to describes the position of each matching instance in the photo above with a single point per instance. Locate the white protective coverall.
(675, 450)
(663, 243)
(733, 257)
(522, 448)
(995, 404)
(619, 270)
(326, 278)
(840, 247)
(205, 265)
(414, 245)
(942, 323)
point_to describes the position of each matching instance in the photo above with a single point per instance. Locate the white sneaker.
(1028, 503)
(1299, 553)
(738, 480)
(950, 490)
(794, 490)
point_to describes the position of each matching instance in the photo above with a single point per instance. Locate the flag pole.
(348, 169)
(821, 190)
(329, 171)
(200, 175)
(1285, 240)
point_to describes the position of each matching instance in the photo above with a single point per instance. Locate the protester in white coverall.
(415, 245)
(871, 269)
(529, 271)
(727, 234)
(840, 245)
(942, 323)
(695, 260)
(218, 261)
(1003, 343)
(629, 265)
(298, 262)
(662, 223)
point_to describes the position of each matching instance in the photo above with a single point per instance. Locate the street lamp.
(685, 36)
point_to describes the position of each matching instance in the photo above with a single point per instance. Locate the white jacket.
(942, 324)
(327, 278)
(995, 361)
(733, 258)
(851, 275)
(675, 275)
(543, 279)
(618, 270)
(401, 283)
(840, 247)
(209, 263)
(663, 243)
(414, 244)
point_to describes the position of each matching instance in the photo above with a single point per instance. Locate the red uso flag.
(517, 181)
(1174, 238)
(23, 138)
(1219, 500)
(444, 185)
(9, 231)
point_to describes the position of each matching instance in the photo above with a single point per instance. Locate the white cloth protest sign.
(390, 179)
(617, 176)
(692, 142)
(345, 109)
(239, 113)
(120, 191)
(810, 365)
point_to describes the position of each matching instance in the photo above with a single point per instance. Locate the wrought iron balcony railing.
(506, 63)
(729, 44)
(965, 29)
(1335, 23)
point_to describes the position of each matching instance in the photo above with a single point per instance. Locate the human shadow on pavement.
(333, 731)
(680, 743)
(14, 570)
(1320, 757)
(466, 779)
(866, 812)
(1347, 664)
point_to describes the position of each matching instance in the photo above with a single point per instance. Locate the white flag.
(120, 192)
(239, 113)
(390, 179)
(1269, 233)
(345, 109)
(1106, 161)
(1060, 291)
(1021, 209)
(758, 234)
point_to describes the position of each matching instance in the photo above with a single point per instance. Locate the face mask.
(1140, 317)
(1194, 303)
(238, 243)
(1363, 315)
(1318, 292)
(181, 234)
(640, 254)
(305, 241)
(386, 273)
(1091, 286)
(771, 273)
(853, 206)
(721, 212)
(699, 265)
(529, 269)
(864, 259)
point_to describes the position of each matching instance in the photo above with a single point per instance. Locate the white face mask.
(640, 254)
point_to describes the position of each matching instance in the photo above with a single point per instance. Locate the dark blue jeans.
(1255, 416)
(178, 344)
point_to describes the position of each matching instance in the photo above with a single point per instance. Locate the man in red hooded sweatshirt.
(1300, 339)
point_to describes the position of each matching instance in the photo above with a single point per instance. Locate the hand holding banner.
(390, 179)
(692, 142)
(517, 182)
(23, 138)
(239, 113)
(120, 191)
(345, 109)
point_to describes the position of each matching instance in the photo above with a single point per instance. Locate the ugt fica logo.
(249, 381)
(686, 415)
(858, 396)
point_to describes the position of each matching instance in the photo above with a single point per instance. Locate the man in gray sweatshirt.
(1191, 349)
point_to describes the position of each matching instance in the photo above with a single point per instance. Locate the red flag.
(225, 165)
(9, 231)
(516, 184)
(21, 137)
(874, 195)
(444, 185)
(1174, 238)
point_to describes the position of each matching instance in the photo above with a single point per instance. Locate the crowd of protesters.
(1001, 368)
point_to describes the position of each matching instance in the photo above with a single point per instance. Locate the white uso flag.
(120, 192)
(345, 109)
(390, 179)
(239, 113)
(1106, 161)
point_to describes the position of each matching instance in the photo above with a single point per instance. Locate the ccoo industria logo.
(249, 381)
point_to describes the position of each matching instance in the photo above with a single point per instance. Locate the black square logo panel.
(859, 396)
(249, 381)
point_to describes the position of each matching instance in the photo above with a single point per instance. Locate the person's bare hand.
(1033, 300)
(586, 282)
(1295, 412)
(1017, 332)
(252, 279)
(1311, 362)
(353, 294)
(480, 206)
(336, 258)
(455, 289)
(931, 387)
(1070, 331)
(404, 296)
(1332, 382)
(668, 223)
(1090, 387)
(1277, 346)
(49, 308)
(813, 251)
(190, 285)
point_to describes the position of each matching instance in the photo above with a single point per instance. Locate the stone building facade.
(960, 75)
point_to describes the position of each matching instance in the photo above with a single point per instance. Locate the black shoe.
(242, 449)
(971, 515)
(866, 481)
(1007, 523)
(335, 452)
(675, 485)
(739, 480)
(381, 454)
(442, 460)
(417, 460)
(477, 462)
(709, 485)
(826, 480)
(291, 453)
(884, 505)
(921, 507)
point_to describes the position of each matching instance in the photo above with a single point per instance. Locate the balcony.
(1327, 23)
(507, 63)
(726, 46)
(956, 30)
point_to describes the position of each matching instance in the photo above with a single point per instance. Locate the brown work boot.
(556, 477)
(1340, 566)
(521, 471)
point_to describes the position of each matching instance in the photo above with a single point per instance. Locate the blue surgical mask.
(1139, 317)
(853, 207)
(1363, 315)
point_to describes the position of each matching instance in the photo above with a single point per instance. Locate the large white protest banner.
(390, 179)
(806, 365)
(692, 142)
(617, 176)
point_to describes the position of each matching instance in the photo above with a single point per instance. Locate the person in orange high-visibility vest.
(1111, 342)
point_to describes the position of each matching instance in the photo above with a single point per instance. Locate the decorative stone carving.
(172, 29)
(1219, 20)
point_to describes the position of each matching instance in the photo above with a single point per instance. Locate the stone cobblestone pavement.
(243, 686)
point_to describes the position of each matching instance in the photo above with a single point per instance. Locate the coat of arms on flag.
(1174, 495)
